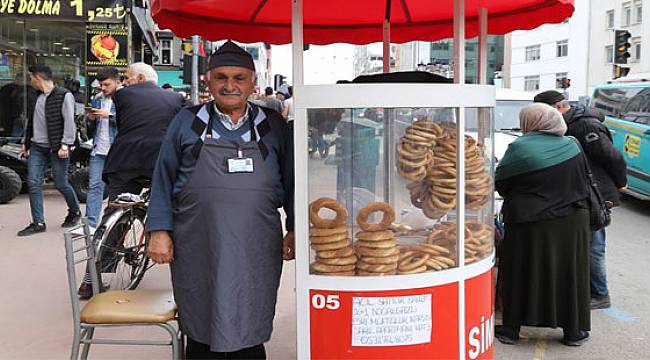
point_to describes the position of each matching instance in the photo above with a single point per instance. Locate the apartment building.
(610, 15)
(540, 58)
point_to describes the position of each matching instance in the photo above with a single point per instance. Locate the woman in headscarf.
(545, 256)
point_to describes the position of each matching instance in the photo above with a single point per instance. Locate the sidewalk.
(35, 305)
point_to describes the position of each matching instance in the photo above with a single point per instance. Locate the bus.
(626, 107)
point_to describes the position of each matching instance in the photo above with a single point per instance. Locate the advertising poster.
(107, 45)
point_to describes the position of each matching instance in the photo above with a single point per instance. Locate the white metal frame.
(458, 96)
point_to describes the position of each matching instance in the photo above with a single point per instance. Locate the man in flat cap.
(225, 168)
(609, 169)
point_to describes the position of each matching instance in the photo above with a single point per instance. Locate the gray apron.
(227, 248)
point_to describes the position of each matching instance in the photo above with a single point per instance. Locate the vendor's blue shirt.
(178, 155)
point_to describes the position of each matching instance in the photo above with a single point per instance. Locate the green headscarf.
(535, 151)
(541, 146)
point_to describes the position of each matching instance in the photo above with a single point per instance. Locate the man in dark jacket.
(609, 170)
(49, 135)
(143, 111)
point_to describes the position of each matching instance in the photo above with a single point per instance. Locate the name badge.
(240, 165)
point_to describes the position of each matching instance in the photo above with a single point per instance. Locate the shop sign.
(65, 10)
(107, 45)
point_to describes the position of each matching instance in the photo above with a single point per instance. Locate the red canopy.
(348, 21)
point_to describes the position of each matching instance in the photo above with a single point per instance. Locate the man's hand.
(102, 113)
(24, 153)
(64, 153)
(289, 246)
(161, 247)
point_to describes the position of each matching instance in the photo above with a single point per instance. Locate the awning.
(349, 21)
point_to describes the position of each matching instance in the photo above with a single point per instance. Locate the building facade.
(75, 39)
(610, 15)
(540, 58)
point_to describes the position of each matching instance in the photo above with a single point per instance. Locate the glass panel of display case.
(382, 190)
(479, 184)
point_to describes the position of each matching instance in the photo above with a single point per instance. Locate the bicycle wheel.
(121, 255)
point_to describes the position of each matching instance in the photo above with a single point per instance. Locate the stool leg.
(86, 349)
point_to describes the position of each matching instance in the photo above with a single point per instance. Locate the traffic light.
(187, 68)
(278, 80)
(563, 83)
(620, 71)
(621, 46)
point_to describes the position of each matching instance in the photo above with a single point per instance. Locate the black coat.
(143, 112)
(606, 162)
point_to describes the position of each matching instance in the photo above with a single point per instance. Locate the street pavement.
(36, 321)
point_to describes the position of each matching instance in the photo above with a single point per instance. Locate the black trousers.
(197, 350)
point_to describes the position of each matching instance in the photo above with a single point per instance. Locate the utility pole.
(195, 70)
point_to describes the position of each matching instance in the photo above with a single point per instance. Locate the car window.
(506, 114)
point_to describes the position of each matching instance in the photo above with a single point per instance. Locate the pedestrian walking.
(49, 135)
(288, 112)
(102, 127)
(224, 170)
(271, 101)
(544, 260)
(609, 170)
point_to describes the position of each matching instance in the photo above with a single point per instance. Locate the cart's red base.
(332, 330)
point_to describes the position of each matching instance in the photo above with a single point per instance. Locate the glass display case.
(383, 189)
(394, 221)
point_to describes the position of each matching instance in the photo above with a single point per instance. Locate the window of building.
(636, 49)
(609, 54)
(531, 83)
(166, 52)
(559, 77)
(609, 19)
(533, 52)
(562, 48)
(638, 11)
(627, 14)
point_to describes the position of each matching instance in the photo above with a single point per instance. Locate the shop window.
(166, 57)
(533, 53)
(609, 54)
(609, 19)
(562, 48)
(627, 14)
(531, 83)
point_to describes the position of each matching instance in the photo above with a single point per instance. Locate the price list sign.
(391, 321)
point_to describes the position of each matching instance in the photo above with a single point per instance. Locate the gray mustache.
(225, 92)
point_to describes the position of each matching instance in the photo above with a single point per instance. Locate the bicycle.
(121, 243)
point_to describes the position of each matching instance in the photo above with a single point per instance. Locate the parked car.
(626, 107)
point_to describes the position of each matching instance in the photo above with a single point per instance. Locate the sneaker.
(600, 303)
(578, 340)
(32, 229)
(72, 219)
(506, 334)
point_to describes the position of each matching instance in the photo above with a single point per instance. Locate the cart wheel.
(10, 184)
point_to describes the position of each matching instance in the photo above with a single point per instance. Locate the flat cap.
(549, 97)
(229, 54)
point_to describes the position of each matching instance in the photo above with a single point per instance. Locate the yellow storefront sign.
(66, 10)
(632, 145)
